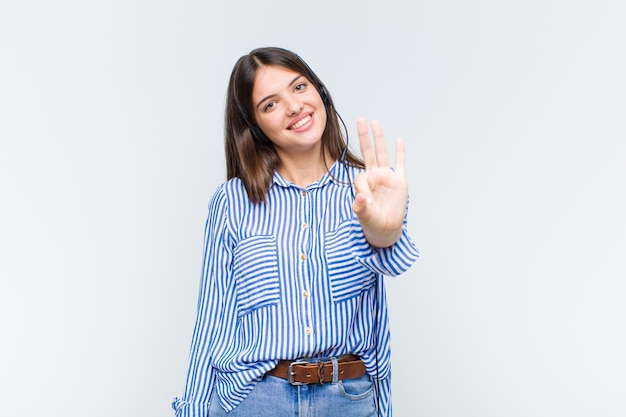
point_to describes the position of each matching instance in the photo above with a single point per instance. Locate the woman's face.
(289, 110)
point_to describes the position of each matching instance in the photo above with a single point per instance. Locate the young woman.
(292, 317)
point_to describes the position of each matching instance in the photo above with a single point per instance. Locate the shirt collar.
(335, 174)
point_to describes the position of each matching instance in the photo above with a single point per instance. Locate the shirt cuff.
(347, 244)
(184, 408)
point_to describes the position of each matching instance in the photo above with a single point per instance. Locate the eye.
(268, 106)
(300, 87)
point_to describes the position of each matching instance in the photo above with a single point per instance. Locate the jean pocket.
(356, 388)
(255, 270)
(348, 277)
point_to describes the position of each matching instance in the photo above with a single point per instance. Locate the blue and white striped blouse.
(291, 278)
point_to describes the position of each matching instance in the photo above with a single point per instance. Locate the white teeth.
(301, 123)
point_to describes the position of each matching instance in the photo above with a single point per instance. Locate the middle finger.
(379, 144)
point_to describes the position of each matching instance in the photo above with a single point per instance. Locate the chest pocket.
(255, 270)
(348, 277)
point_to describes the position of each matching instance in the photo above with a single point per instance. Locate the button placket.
(304, 235)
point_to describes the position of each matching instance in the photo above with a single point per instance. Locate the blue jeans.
(276, 397)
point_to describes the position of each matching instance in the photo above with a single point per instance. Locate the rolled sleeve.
(348, 243)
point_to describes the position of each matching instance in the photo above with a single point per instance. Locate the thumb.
(363, 194)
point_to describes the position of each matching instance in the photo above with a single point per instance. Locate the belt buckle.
(291, 373)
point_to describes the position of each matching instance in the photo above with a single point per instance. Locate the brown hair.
(250, 155)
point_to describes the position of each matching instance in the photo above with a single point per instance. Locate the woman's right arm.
(208, 335)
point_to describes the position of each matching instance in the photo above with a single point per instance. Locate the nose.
(294, 106)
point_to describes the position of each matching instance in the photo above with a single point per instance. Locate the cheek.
(270, 124)
(262, 120)
(323, 118)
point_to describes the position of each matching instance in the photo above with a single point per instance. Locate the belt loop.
(335, 370)
(320, 372)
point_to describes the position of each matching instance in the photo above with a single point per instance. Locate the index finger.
(365, 143)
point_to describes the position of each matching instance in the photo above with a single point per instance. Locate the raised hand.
(381, 193)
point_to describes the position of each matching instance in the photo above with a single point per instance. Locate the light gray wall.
(514, 118)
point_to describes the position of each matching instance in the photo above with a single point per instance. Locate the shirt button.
(303, 256)
(303, 193)
(308, 330)
(305, 294)
(304, 225)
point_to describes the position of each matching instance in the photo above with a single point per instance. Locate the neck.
(304, 171)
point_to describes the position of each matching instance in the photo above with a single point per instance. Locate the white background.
(111, 118)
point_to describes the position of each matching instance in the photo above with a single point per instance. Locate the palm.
(382, 193)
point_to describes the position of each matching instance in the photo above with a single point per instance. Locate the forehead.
(270, 79)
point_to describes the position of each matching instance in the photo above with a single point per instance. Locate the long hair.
(250, 155)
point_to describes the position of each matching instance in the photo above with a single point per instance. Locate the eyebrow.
(272, 95)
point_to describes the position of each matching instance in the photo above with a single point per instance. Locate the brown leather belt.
(304, 372)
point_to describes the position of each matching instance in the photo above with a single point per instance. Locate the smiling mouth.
(301, 122)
